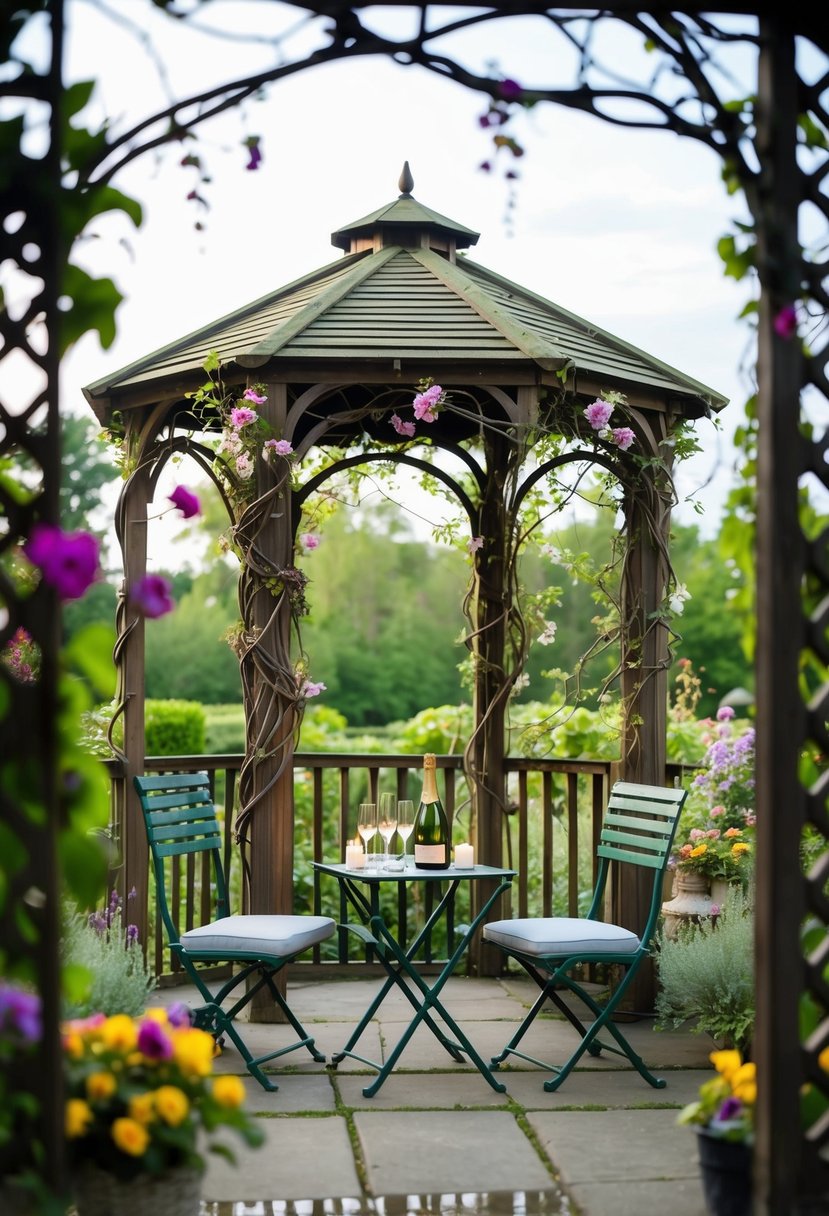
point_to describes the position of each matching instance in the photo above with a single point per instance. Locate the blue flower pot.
(726, 1175)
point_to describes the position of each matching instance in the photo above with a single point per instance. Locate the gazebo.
(333, 361)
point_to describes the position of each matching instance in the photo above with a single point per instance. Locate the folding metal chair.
(181, 820)
(638, 830)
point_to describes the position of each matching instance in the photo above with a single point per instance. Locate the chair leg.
(548, 992)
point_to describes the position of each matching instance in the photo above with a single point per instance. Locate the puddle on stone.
(467, 1203)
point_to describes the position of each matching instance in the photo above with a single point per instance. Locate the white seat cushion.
(560, 936)
(261, 935)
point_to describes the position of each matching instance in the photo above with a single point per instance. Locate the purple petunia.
(151, 595)
(186, 501)
(153, 1042)
(20, 1013)
(68, 561)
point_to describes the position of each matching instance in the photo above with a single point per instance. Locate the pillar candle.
(464, 857)
(355, 858)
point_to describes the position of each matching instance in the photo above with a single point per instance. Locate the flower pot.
(691, 902)
(726, 1175)
(174, 1193)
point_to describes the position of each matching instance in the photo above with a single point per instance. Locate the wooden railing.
(554, 811)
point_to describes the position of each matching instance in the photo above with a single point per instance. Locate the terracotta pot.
(174, 1193)
(726, 1175)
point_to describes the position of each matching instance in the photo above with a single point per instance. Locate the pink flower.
(68, 561)
(280, 446)
(785, 323)
(424, 403)
(152, 596)
(310, 689)
(725, 713)
(598, 414)
(713, 833)
(716, 811)
(250, 394)
(186, 501)
(244, 465)
(714, 909)
(696, 834)
(475, 543)
(231, 443)
(623, 437)
(309, 541)
(241, 416)
(402, 428)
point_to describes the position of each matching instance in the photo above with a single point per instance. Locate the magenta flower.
(280, 446)
(186, 501)
(623, 437)
(425, 403)
(179, 1015)
(598, 414)
(68, 561)
(310, 689)
(402, 428)
(152, 596)
(251, 394)
(785, 323)
(725, 713)
(241, 416)
(509, 89)
(254, 152)
(309, 541)
(153, 1042)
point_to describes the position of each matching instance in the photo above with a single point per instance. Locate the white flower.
(549, 634)
(677, 598)
(231, 443)
(244, 465)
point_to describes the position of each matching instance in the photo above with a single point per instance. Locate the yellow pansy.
(193, 1051)
(229, 1091)
(77, 1118)
(130, 1137)
(119, 1033)
(156, 1014)
(699, 850)
(171, 1105)
(744, 1084)
(142, 1108)
(100, 1086)
(73, 1044)
(739, 848)
(823, 1059)
(726, 1062)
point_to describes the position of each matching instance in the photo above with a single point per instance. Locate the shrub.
(104, 966)
(174, 728)
(706, 974)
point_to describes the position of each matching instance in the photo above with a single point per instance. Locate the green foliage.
(174, 728)
(706, 975)
(103, 964)
(188, 656)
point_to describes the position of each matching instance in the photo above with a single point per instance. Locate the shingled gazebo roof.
(401, 294)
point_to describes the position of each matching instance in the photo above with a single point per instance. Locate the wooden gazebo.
(337, 353)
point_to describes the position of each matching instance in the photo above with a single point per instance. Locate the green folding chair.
(638, 831)
(181, 820)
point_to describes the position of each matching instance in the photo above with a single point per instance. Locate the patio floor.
(437, 1138)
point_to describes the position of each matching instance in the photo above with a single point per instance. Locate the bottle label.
(434, 853)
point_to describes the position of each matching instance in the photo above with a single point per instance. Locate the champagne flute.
(387, 821)
(405, 824)
(367, 827)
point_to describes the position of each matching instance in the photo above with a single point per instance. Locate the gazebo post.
(129, 661)
(644, 679)
(267, 784)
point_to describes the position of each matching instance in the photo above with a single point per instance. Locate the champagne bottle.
(431, 833)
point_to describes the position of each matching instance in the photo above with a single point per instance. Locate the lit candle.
(464, 857)
(355, 858)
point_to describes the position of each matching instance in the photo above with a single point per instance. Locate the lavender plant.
(104, 966)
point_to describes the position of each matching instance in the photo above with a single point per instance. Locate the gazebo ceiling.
(400, 305)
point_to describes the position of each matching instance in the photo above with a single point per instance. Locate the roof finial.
(406, 183)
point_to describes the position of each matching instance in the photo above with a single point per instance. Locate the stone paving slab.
(311, 1093)
(329, 1038)
(300, 1159)
(475, 1151)
(680, 1197)
(422, 1091)
(613, 1090)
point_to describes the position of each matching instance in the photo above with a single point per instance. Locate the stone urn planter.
(691, 901)
(173, 1193)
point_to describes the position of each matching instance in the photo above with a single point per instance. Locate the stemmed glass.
(387, 822)
(367, 827)
(405, 824)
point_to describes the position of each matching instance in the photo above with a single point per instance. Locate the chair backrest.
(638, 829)
(180, 820)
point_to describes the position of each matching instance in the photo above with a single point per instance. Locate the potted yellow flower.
(723, 1116)
(141, 1105)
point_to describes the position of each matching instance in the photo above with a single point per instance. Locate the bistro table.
(362, 890)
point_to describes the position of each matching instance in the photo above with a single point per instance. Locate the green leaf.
(94, 302)
(90, 654)
(76, 981)
(84, 866)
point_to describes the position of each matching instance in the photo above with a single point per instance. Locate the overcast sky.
(617, 226)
